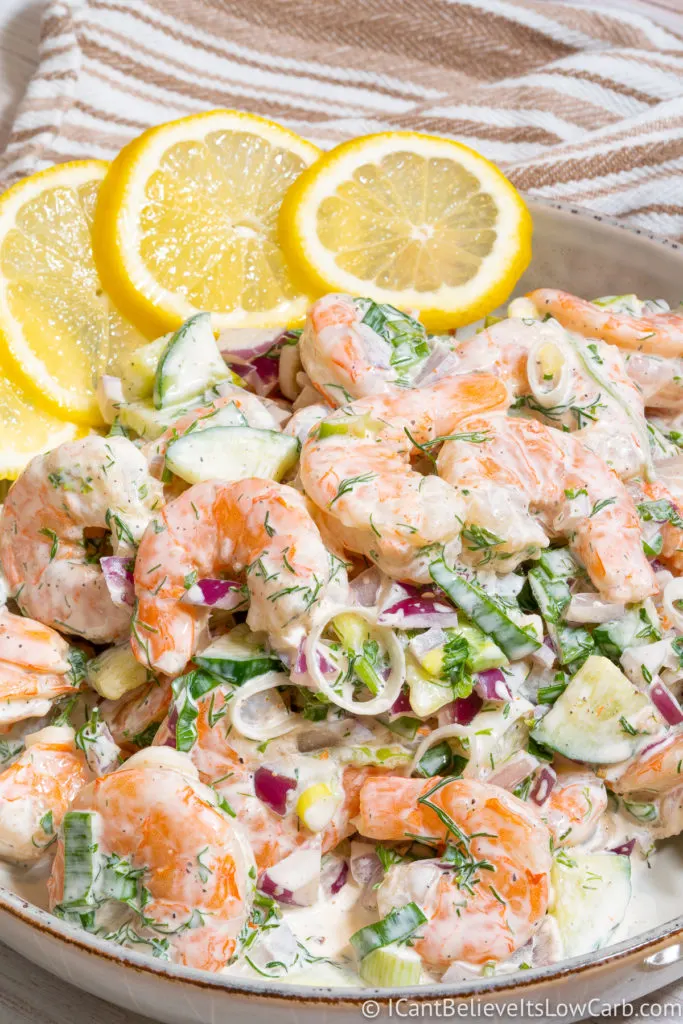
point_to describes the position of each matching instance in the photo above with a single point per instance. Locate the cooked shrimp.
(34, 668)
(190, 860)
(95, 484)
(134, 718)
(357, 469)
(574, 807)
(523, 481)
(659, 334)
(655, 771)
(659, 380)
(644, 493)
(346, 359)
(256, 527)
(36, 791)
(569, 383)
(488, 908)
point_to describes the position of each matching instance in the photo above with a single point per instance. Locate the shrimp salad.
(353, 653)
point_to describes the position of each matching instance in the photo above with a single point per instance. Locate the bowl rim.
(511, 985)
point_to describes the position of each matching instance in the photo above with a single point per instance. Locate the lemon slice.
(26, 429)
(187, 221)
(58, 329)
(416, 221)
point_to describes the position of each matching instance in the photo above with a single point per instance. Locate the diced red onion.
(545, 655)
(464, 709)
(364, 588)
(272, 789)
(665, 702)
(301, 663)
(513, 771)
(212, 593)
(252, 342)
(543, 785)
(491, 685)
(119, 580)
(401, 705)
(334, 874)
(418, 613)
(366, 868)
(102, 752)
(624, 849)
(294, 880)
(168, 736)
(268, 886)
(262, 375)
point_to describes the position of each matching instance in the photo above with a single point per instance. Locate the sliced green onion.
(187, 690)
(398, 925)
(440, 760)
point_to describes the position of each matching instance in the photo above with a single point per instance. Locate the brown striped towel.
(579, 103)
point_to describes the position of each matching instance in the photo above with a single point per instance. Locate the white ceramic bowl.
(589, 255)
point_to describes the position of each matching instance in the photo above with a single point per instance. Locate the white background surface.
(29, 995)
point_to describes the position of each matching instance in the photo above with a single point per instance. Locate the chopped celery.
(391, 966)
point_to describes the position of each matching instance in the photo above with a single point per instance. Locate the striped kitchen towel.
(579, 103)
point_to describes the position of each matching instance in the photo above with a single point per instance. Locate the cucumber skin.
(240, 670)
(480, 607)
(164, 379)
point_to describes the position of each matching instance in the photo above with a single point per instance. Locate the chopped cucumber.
(391, 966)
(552, 594)
(149, 422)
(232, 453)
(550, 587)
(190, 363)
(237, 657)
(139, 369)
(490, 614)
(601, 717)
(591, 893)
(114, 672)
(559, 563)
(636, 628)
(571, 642)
